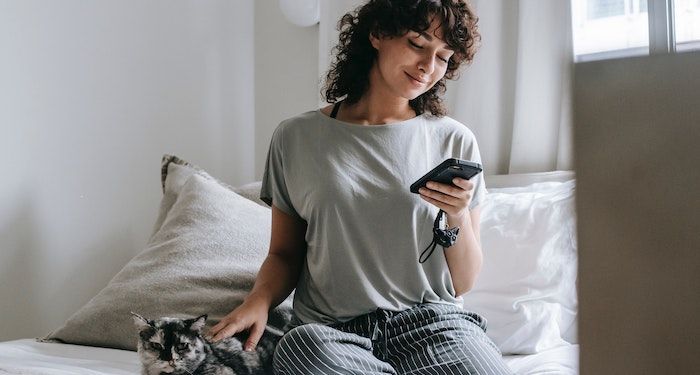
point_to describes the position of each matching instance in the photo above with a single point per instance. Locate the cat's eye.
(182, 346)
(156, 346)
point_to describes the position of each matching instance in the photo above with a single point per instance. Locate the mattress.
(27, 356)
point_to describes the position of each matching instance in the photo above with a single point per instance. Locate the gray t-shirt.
(366, 230)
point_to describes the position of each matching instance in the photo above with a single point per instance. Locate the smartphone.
(448, 170)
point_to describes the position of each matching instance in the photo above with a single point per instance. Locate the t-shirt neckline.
(399, 124)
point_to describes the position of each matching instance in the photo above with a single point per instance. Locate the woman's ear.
(374, 41)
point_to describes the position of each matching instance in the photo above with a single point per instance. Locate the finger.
(463, 183)
(227, 331)
(437, 203)
(438, 196)
(215, 329)
(446, 189)
(465, 187)
(254, 337)
(449, 210)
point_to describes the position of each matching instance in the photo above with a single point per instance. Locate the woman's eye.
(443, 59)
(415, 45)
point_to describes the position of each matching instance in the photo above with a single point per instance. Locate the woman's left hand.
(453, 199)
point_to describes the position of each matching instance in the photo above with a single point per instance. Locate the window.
(605, 8)
(618, 28)
(602, 26)
(687, 22)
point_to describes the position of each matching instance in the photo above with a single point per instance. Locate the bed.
(27, 356)
(526, 289)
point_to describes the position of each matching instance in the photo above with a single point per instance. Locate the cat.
(176, 346)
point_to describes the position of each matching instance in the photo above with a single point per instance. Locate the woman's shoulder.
(300, 120)
(450, 126)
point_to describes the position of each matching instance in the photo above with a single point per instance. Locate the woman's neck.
(379, 105)
(374, 112)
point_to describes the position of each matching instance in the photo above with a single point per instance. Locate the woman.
(346, 231)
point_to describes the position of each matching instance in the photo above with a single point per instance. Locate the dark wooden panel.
(637, 160)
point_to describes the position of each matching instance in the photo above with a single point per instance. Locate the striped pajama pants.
(431, 338)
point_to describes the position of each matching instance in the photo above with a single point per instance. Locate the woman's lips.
(415, 81)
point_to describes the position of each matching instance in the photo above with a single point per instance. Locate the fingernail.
(249, 349)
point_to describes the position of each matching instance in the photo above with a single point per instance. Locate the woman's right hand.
(276, 279)
(250, 316)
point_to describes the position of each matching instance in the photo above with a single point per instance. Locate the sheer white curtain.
(516, 95)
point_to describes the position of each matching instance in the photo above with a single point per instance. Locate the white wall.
(92, 93)
(286, 73)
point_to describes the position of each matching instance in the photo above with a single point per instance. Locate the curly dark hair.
(355, 55)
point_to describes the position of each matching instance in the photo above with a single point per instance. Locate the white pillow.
(205, 251)
(527, 286)
(251, 191)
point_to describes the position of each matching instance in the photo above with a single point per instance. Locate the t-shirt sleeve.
(479, 193)
(274, 186)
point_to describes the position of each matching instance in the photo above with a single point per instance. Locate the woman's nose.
(427, 64)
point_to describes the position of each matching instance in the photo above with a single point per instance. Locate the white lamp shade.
(301, 12)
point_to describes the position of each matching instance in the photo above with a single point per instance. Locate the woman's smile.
(414, 81)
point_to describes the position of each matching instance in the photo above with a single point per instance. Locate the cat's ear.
(198, 323)
(141, 322)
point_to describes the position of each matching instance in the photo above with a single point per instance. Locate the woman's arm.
(280, 271)
(276, 279)
(464, 257)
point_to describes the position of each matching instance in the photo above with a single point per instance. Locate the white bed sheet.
(27, 356)
(562, 360)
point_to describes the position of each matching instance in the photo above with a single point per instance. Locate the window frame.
(662, 29)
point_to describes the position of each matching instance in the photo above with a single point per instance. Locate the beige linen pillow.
(206, 248)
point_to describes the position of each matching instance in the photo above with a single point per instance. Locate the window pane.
(687, 18)
(610, 25)
(605, 8)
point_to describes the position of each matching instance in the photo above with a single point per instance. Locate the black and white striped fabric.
(431, 338)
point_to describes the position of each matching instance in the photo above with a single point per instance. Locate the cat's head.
(170, 345)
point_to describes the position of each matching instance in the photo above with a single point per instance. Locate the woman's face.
(411, 64)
